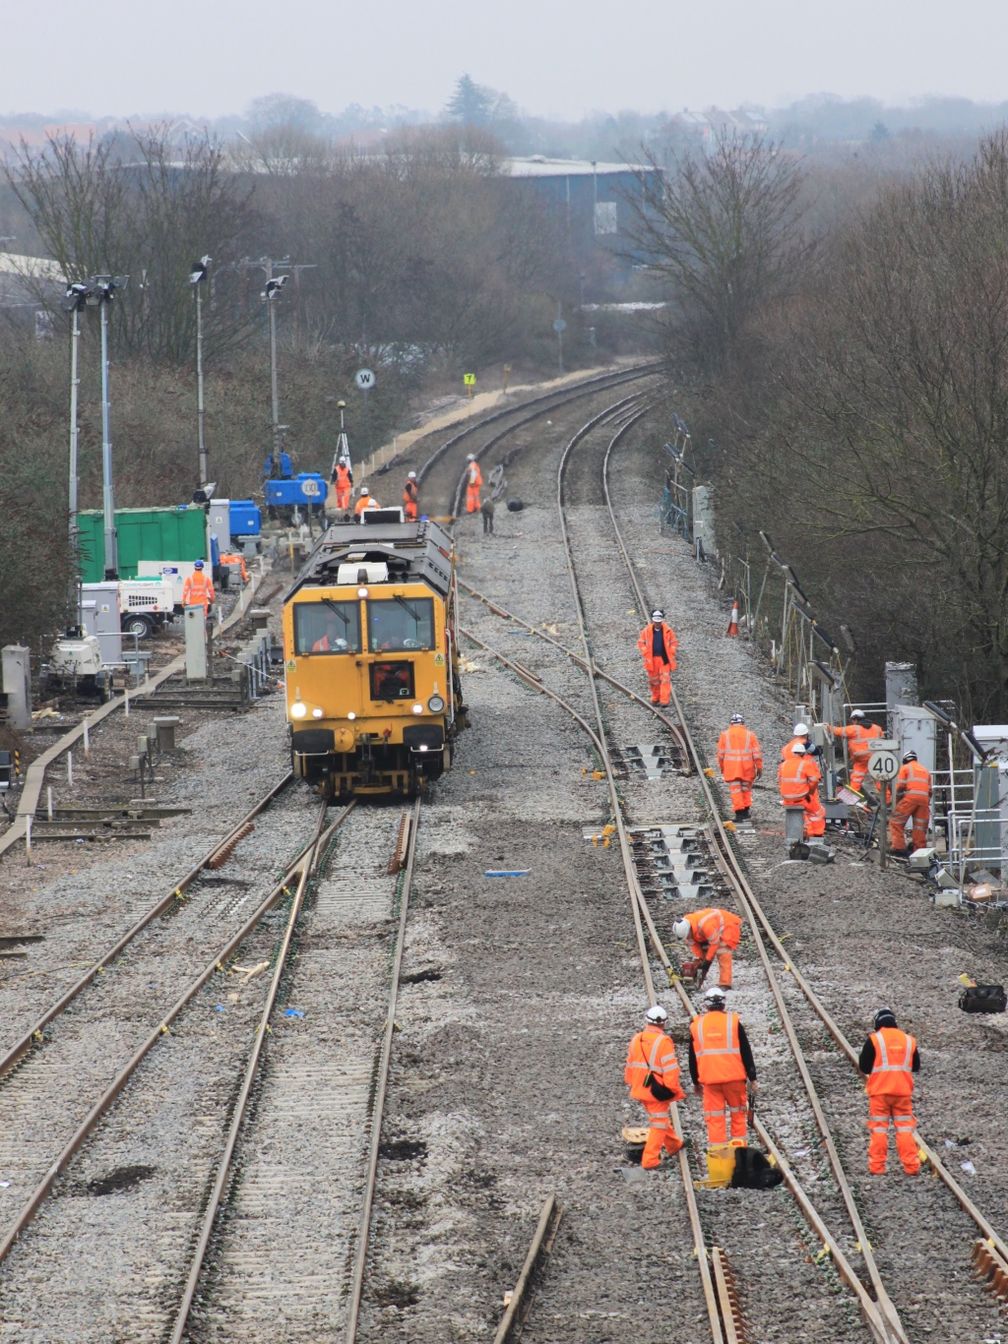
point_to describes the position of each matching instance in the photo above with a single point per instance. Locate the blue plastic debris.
(506, 872)
(219, 1007)
(293, 1012)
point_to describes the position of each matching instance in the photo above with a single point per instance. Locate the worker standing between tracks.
(658, 647)
(859, 733)
(198, 590)
(342, 479)
(889, 1060)
(711, 932)
(365, 500)
(410, 497)
(721, 1065)
(740, 760)
(652, 1075)
(798, 779)
(474, 483)
(913, 802)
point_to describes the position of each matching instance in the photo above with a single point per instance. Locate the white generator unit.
(174, 573)
(146, 605)
(77, 663)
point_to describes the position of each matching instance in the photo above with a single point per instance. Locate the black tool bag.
(983, 999)
(753, 1171)
(658, 1090)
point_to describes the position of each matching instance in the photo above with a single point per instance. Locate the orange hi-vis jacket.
(739, 755)
(365, 502)
(343, 481)
(716, 1046)
(787, 750)
(798, 778)
(197, 591)
(858, 736)
(913, 783)
(410, 493)
(474, 477)
(892, 1072)
(711, 929)
(651, 1051)
(645, 643)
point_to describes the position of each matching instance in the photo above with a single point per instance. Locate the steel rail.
(381, 1088)
(110, 1094)
(539, 1248)
(308, 864)
(35, 1036)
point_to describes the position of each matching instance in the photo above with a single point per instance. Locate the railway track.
(850, 1253)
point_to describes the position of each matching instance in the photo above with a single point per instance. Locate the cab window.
(400, 623)
(327, 627)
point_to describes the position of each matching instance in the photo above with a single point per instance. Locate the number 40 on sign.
(884, 760)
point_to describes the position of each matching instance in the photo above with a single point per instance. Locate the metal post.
(74, 587)
(108, 504)
(274, 390)
(204, 474)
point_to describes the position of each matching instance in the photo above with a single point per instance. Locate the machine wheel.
(139, 625)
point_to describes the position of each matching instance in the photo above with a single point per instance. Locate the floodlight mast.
(75, 300)
(102, 291)
(197, 276)
(269, 296)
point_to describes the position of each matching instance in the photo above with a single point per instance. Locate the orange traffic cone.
(733, 618)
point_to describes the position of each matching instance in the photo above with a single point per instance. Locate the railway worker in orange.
(365, 500)
(798, 780)
(342, 479)
(658, 647)
(474, 483)
(198, 590)
(721, 1065)
(889, 1060)
(859, 733)
(652, 1075)
(236, 558)
(410, 497)
(740, 760)
(913, 803)
(711, 933)
(802, 735)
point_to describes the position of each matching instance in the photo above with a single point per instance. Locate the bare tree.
(725, 228)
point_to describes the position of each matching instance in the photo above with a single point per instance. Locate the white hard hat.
(857, 713)
(798, 749)
(801, 730)
(714, 996)
(656, 1014)
(470, 457)
(681, 928)
(736, 718)
(657, 614)
(364, 490)
(411, 475)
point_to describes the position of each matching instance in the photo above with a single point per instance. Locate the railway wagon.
(370, 639)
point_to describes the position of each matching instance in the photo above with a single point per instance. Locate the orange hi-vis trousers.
(472, 498)
(741, 793)
(904, 810)
(882, 1108)
(719, 1098)
(660, 1134)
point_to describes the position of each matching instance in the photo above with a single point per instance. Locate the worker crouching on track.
(652, 1068)
(913, 802)
(711, 932)
(740, 760)
(721, 1065)
(859, 733)
(798, 779)
(658, 647)
(889, 1060)
(411, 498)
(198, 589)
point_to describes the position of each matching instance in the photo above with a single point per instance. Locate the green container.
(141, 534)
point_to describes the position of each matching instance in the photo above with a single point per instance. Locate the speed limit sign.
(883, 764)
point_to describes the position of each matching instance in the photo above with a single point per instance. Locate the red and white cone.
(733, 618)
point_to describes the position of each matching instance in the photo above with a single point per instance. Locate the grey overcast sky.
(209, 57)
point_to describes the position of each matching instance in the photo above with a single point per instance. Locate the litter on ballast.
(219, 1008)
(293, 1012)
(506, 872)
(968, 1168)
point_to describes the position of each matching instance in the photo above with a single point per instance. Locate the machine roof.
(418, 552)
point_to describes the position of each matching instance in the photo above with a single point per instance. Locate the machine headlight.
(351, 716)
(435, 704)
(418, 709)
(298, 709)
(317, 713)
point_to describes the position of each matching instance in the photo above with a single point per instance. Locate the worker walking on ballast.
(711, 932)
(721, 1065)
(913, 803)
(410, 497)
(652, 1075)
(474, 483)
(798, 780)
(342, 479)
(889, 1060)
(658, 647)
(198, 589)
(740, 760)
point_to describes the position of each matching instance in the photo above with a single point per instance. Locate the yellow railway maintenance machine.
(370, 639)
